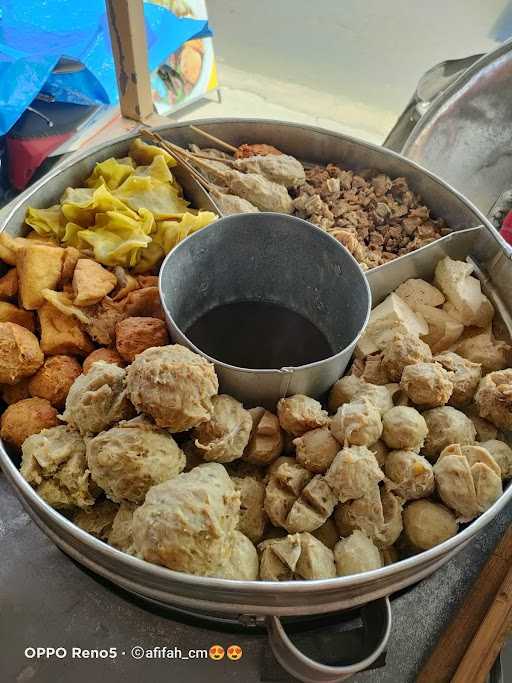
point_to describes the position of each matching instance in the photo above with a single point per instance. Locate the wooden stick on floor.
(449, 651)
(489, 639)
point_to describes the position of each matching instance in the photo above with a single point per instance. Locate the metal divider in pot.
(276, 260)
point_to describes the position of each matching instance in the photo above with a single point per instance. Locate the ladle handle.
(376, 618)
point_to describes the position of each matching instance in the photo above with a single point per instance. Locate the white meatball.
(404, 428)
(356, 554)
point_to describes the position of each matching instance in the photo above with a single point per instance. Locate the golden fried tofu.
(39, 267)
(9, 285)
(62, 334)
(91, 282)
(9, 313)
(9, 247)
(71, 256)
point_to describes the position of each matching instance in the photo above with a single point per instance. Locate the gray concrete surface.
(47, 600)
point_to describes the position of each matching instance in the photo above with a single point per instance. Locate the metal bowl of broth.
(274, 302)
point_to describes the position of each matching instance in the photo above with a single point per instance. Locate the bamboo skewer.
(214, 139)
(196, 155)
(456, 639)
(177, 153)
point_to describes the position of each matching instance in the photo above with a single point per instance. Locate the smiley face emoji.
(216, 652)
(234, 652)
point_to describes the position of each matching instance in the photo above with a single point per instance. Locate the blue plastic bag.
(35, 34)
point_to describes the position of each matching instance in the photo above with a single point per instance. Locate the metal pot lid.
(465, 136)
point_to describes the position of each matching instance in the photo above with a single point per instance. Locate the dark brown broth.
(258, 335)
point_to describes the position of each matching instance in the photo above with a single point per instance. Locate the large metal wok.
(268, 599)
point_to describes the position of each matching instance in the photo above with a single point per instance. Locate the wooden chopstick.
(489, 639)
(214, 139)
(451, 647)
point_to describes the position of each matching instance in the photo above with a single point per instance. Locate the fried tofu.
(416, 291)
(9, 285)
(71, 256)
(62, 334)
(39, 267)
(91, 282)
(12, 314)
(9, 247)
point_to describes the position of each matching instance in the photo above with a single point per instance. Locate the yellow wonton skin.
(112, 172)
(162, 199)
(149, 258)
(47, 222)
(144, 154)
(169, 233)
(157, 169)
(117, 239)
(81, 204)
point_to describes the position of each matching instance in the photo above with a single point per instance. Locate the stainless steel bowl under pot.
(275, 302)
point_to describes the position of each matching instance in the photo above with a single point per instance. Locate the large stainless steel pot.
(269, 599)
(464, 136)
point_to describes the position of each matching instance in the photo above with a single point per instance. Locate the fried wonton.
(112, 172)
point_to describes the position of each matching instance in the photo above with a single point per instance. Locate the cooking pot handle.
(376, 617)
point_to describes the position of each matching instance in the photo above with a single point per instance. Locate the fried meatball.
(389, 555)
(316, 561)
(106, 355)
(126, 460)
(356, 554)
(135, 335)
(427, 384)
(54, 378)
(378, 514)
(12, 393)
(53, 462)
(266, 441)
(464, 375)
(98, 519)
(404, 349)
(404, 428)
(243, 564)
(484, 349)
(187, 523)
(20, 353)
(357, 423)
(380, 396)
(502, 453)
(410, 473)
(298, 414)
(327, 533)
(313, 507)
(279, 557)
(343, 391)
(173, 385)
(468, 480)
(253, 517)
(446, 425)
(98, 400)
(294, 500)
(494, 398)
(353, 473)
(224, 437)
(380, 451)
(316, 449)
(24, 418)
(427, 524)
(121, 533)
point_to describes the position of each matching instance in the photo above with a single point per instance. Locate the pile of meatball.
(154, 461)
